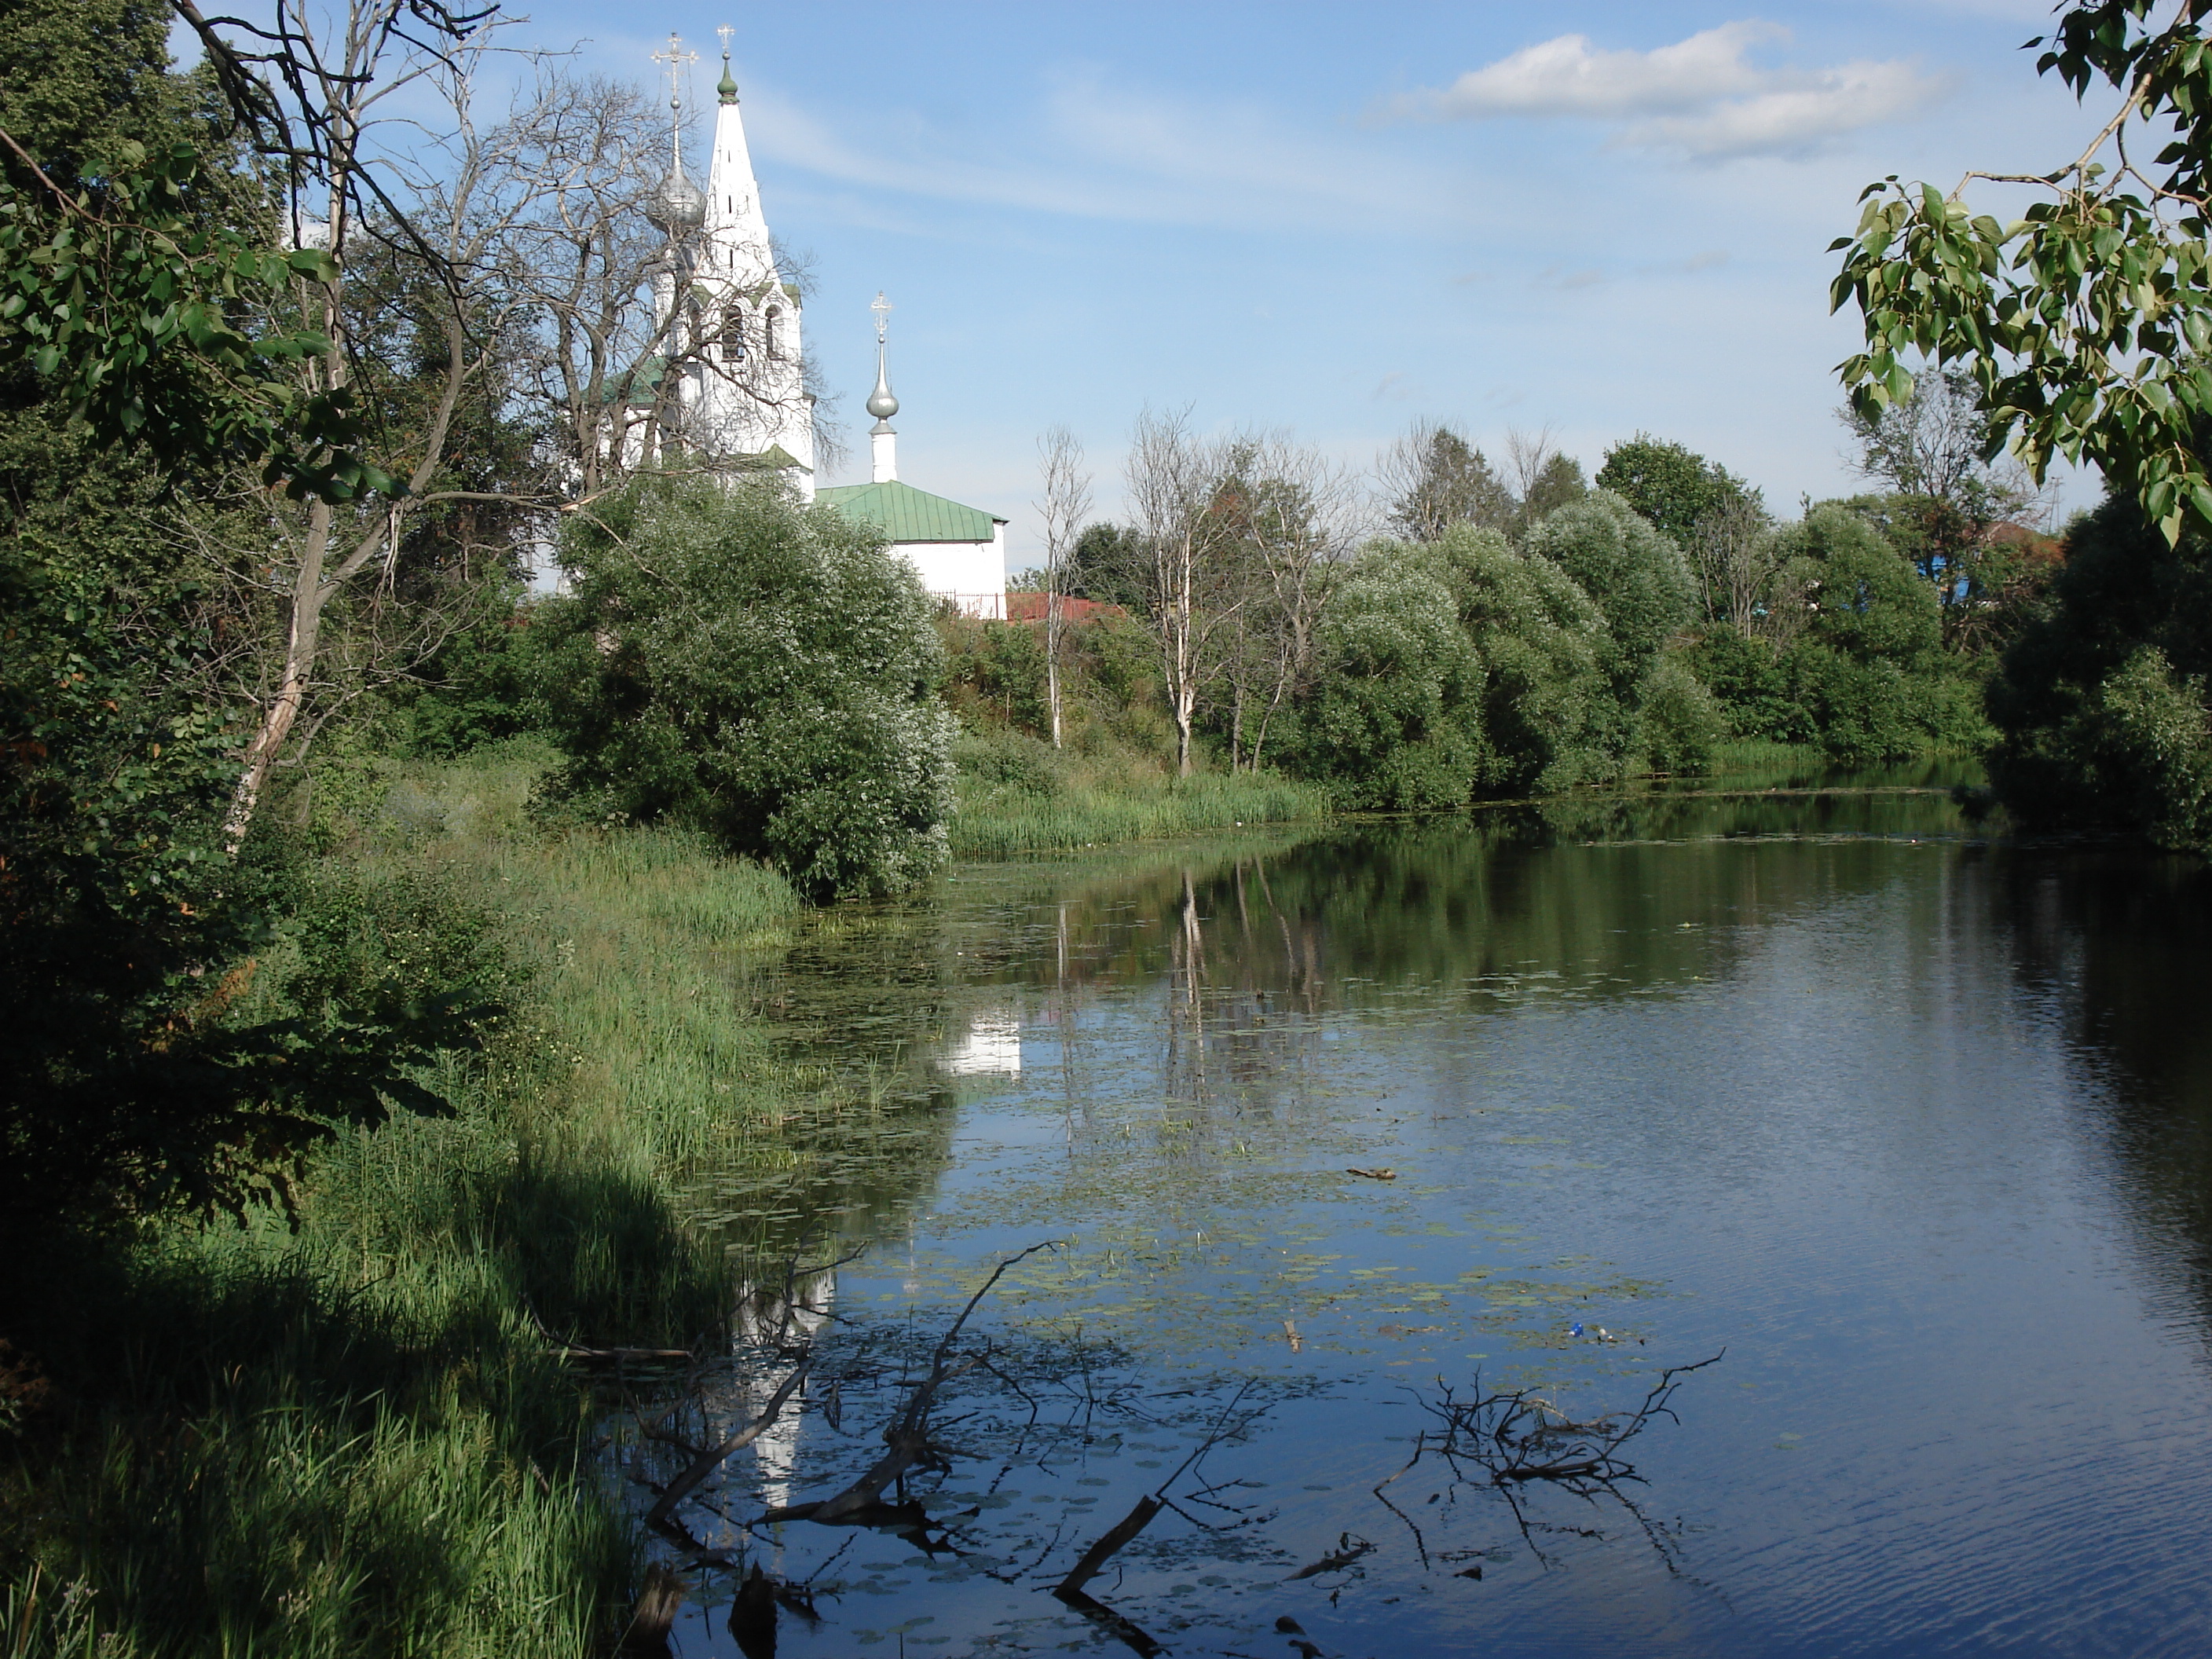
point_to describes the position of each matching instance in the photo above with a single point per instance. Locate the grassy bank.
(995, 822)
(1018, 795)
(354, 1439)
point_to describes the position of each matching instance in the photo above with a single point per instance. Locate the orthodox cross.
(882, 307)
(676, 59)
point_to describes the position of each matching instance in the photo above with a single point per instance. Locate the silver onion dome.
(881, 404)
(679, 205)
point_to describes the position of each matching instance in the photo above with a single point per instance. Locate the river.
(1386, 1167)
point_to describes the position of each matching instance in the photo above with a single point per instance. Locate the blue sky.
(1599, 218)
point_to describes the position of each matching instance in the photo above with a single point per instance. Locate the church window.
(771, 333)
(733, 333)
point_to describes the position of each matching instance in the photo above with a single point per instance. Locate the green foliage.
(996, 760)
(1447, 482)
(1105, 564)
(997, 667)
(1394, 717)
(354, 1438)
(130, 306)
(1683, 725)
(479, 687)
(1672, 486)
(1868, 668)
(1449, 669)
(1542, 644)
(2100, 704)
(1637, 578)
(1436, 479)
(2084, 324)
(1865, 601)
(1745, 674)
(131, 1090)
(763, 672)
(1558, 483)
(75, 81)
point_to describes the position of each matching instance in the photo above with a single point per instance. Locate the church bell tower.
(736, 323)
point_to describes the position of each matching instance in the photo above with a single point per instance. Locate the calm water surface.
(1913, 1128)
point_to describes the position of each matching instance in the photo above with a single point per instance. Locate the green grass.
(1756, 755)
(354, 1439)
(998, 820)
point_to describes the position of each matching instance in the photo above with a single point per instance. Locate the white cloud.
(1703, 96)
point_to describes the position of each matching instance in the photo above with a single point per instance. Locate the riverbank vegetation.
(365, 1429)
(370, 924)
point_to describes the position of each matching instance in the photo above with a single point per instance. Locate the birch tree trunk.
(1062, 507)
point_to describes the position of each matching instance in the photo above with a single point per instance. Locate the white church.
(734, 326)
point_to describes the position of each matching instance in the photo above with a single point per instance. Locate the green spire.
(728, 84)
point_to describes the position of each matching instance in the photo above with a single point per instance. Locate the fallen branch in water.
(1099, 1553)
(1516, 1434)
(713, 1456)
(1118, 1625)
(1346, 1551)
(1093, 1560)
(1514, 1439)
(906, 1436)
(565, 1348)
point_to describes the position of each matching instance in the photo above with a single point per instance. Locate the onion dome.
(679, 205)
(881, 404)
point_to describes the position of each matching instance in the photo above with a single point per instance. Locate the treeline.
(1453, 629)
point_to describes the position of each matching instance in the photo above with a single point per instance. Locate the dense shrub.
(1637, 579)
(1682, 722)
(1869, 667)
(1745, 674)
(766, 672)
(479, 687)
(1394, 721)
(998, 668)
(2100, 704)
(1543, 644)
(1450, 669)
(997, 758)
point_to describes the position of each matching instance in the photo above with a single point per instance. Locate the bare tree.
(1737, 560)
(582, 155)
(1186, 571)
(1300, 513)
(370, 176)
(1063, 507)
(508, 270)
(1545, 478)
(1433, 479)
(1526, 455)
(1934, 442)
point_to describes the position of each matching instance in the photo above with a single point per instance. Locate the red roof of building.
(1030, 607)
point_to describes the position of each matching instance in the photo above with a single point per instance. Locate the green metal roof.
(907, 514)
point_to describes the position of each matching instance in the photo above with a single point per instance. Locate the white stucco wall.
(972, 574)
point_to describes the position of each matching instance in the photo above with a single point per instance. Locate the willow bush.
(761, 671)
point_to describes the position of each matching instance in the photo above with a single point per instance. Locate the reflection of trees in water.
(1600, 896)
(1474, 896)
(859, 1006)
(2119, 943)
